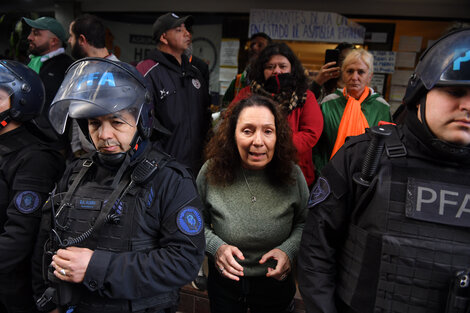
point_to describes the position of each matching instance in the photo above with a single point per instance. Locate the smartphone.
(332, 55)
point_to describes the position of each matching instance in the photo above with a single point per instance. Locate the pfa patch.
(320, 192)
(27, 201)
(196, 83)
(189, 221)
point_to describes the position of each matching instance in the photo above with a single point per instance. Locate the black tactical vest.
(127, 229)
(408, 236)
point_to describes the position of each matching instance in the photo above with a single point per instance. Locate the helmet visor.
(94, 88)
(7, 77)
(448, 62)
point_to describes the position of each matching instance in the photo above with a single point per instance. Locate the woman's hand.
(226, 263)
(327, 72)
(283, 266)
(70, 264)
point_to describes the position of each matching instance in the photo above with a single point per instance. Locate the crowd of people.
(114, 187)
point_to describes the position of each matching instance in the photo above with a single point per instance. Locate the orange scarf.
(353, 122)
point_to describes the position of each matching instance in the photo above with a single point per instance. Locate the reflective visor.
(6, 78)
(95, 88)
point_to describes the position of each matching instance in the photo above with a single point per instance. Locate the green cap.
(50, 24)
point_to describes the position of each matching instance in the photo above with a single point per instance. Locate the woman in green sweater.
(255, 199)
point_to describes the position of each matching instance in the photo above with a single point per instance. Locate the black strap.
(394, 147)
(86, 165)
(104, 213)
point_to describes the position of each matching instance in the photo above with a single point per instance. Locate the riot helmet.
(445, 63)
(25, 89)
(95, 87)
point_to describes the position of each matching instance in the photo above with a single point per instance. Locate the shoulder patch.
(189, 221)
(319, 193)
(27, 201)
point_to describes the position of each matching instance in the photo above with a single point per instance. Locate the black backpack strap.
(394, 146)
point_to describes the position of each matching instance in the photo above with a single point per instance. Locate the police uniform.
(393, 246)
(28, 171)
(389, 222)
(152, 245)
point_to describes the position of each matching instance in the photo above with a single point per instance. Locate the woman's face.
(255, 136)
(277, 64)
(356, 76)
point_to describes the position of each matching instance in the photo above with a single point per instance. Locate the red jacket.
(306, 123)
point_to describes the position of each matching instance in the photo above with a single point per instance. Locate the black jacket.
(182, 105)
(343, 215)
(142, 261)
(52, 74)
(28, 171)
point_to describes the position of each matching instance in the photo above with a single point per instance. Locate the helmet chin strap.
(5, 118)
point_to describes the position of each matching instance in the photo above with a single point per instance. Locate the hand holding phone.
(332, 55)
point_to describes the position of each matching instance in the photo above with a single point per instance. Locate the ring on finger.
(221, 269)
(62, 271)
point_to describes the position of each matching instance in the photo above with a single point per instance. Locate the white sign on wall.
(384, 61)
(305, 26)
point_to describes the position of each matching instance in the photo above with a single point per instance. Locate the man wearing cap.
(180, 92)
(48, 58)
(46, 46)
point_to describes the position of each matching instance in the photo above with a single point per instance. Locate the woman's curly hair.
(222, 152)
(297, 70)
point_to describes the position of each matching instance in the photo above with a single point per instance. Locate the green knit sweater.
(275, 220)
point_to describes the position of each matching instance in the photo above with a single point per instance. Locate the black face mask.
(280, 83)
(111, 159)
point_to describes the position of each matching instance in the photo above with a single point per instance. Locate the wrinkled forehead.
(124, 115)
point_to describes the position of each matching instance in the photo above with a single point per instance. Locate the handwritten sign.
(305, 26)
(384, 61)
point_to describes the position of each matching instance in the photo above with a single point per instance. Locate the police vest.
(408, 236)
(126, 229)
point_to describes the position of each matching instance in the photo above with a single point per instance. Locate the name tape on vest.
(438, 202)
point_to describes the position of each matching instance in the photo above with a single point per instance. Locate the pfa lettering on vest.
(438, 202)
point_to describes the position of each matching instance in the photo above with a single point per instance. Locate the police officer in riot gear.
(127, 230)
(28, 171)
(389, 220)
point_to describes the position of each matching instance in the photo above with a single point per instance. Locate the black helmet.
(25, 89)
(96, 87)
(445, 63)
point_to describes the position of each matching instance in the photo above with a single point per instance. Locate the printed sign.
(384, 61)
(305, 26)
